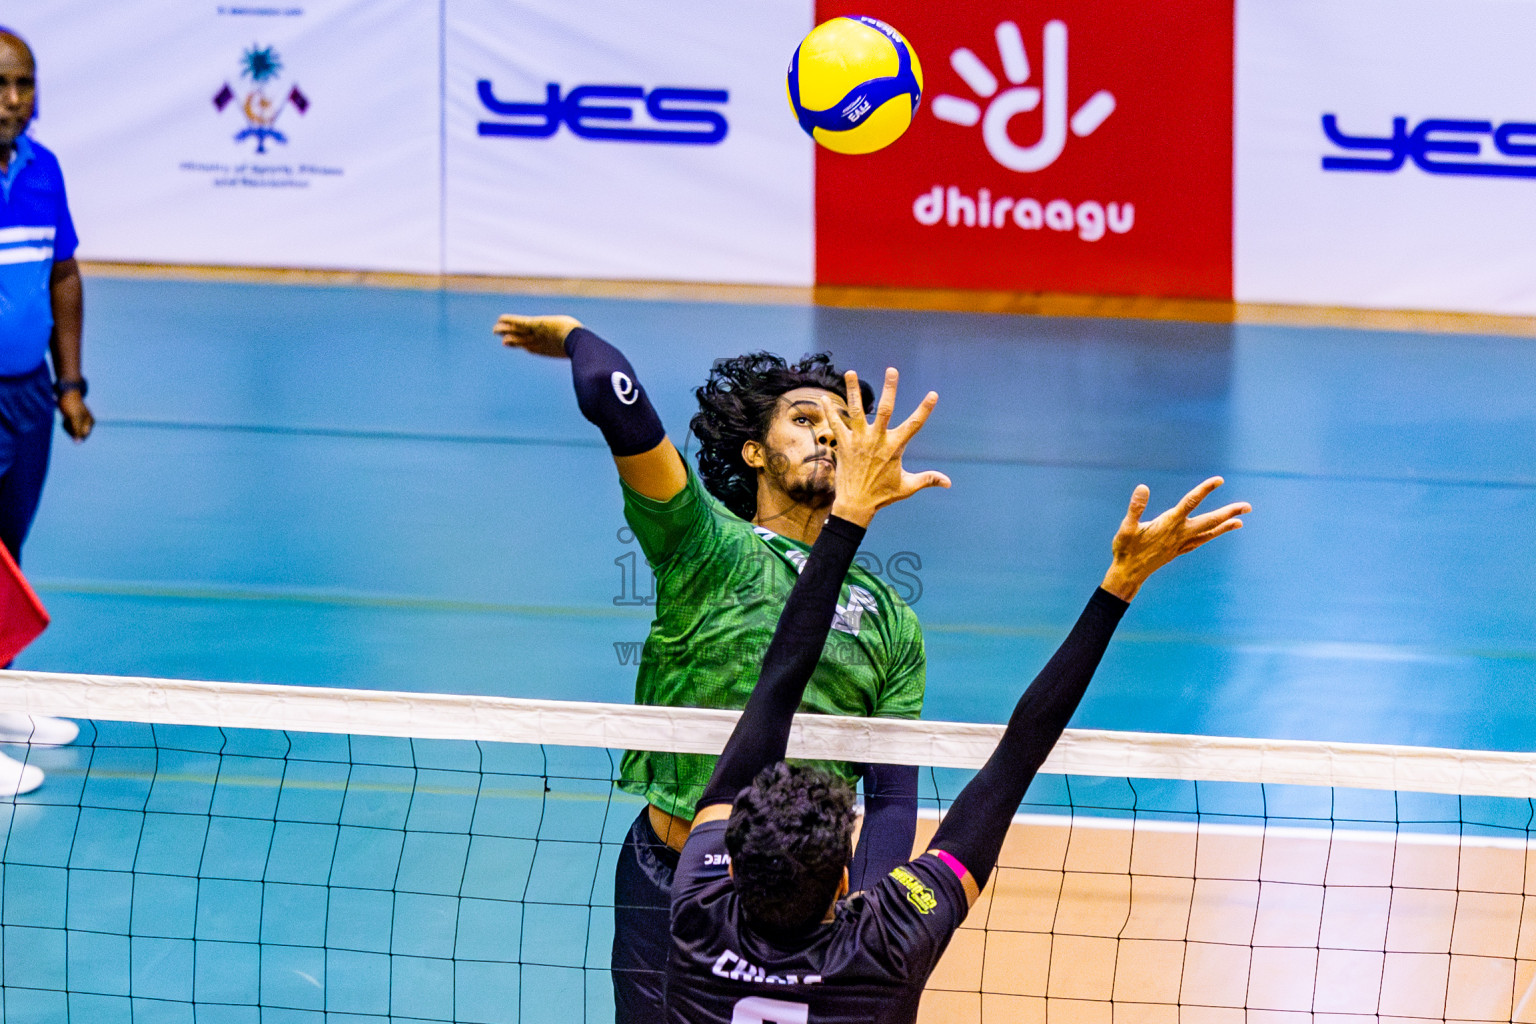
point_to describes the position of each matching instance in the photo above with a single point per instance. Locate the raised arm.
(972, 832)
(609, 394)
(869, 477)
(890, 823)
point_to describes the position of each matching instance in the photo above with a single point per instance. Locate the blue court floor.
(355, 487)
(361, 488)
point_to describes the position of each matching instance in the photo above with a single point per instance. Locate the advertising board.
(1074, 148)
(247, 135)
(1386, 154)
(630, 141)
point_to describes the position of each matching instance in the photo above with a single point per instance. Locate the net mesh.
(182, 867)
(1212, 902)
(239, 870)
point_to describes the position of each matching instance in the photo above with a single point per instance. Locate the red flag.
(22, 615)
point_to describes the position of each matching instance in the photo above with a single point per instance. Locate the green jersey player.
(726, 543)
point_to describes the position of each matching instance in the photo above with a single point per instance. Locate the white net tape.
(697, 730)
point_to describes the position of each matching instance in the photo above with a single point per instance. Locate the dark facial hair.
(813, 491)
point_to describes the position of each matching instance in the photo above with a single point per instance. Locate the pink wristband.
(953, 864)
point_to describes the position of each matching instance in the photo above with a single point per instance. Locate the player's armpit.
(658, 474)
(967, 880)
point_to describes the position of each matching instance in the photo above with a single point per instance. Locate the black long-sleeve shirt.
(871, 961)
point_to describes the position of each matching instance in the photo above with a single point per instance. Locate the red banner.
(1060, 147)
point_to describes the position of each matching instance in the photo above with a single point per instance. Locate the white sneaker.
(17, 778)
(36, 730)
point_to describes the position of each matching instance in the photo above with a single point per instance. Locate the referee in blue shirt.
(40, 310)
(40, 301)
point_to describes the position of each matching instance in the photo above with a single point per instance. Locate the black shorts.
(642, 927)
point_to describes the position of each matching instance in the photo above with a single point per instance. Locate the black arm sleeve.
(890, 823)
(610, 396)
(973, 830)
(762, 733)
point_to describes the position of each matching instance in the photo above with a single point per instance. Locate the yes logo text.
(608, 112)
(1435, 145)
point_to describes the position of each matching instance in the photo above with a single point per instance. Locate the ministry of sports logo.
(262, 66)
(1002, 107)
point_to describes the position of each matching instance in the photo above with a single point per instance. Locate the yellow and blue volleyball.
(854, 84)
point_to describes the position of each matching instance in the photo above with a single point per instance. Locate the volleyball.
(854, 84)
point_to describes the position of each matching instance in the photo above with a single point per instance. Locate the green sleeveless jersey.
(720, 586)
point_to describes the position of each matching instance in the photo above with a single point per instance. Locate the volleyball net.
(217, 852)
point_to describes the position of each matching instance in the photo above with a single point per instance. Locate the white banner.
(303, 134)
(1386, 154)
(607, 139)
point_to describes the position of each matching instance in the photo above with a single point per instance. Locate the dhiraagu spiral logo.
(1003, 105)
(994, 106)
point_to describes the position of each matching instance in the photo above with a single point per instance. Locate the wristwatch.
(61, 387)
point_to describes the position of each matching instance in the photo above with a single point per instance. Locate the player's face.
(799, 453)
(18, 85)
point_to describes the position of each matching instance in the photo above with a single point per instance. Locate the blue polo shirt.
(35, 231)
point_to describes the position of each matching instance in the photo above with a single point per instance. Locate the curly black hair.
(790, 836)
(736, 405)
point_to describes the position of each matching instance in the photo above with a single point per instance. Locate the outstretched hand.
(541, 335)
(868, 454)
(1140, 549)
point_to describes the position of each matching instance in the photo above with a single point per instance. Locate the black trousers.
(642, 927)
(26, 435)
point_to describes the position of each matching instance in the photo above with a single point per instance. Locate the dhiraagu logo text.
(1090, 218)
(614, 113)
